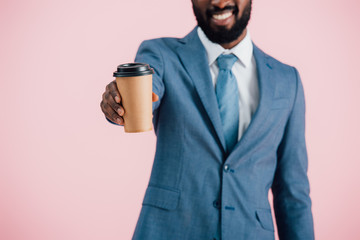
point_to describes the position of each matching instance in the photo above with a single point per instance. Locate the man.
(229, 121)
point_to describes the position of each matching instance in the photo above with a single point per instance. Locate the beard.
(222, 35)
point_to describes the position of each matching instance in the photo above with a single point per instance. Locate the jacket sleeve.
(290, 188)
(150, 53)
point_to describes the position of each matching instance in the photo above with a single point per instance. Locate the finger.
(115, 106)
(111, 114)
(155, 97)
(120, 121)
(112, 87)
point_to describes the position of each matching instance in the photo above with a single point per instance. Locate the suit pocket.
(280, 103)
(163, 198)
(265, 219)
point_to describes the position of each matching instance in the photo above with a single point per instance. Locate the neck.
(235, 42)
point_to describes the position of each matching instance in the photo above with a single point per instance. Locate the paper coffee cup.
(134, 81)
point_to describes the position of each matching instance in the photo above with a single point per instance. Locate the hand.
(111, 103)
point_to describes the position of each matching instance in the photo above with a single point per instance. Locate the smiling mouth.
(222, 16)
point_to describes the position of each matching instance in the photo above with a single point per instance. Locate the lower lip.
(222, 22)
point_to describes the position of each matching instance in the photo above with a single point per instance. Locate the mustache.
(215, 10)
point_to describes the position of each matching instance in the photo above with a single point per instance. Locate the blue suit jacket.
(196, 190)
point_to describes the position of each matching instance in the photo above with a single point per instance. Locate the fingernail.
(120, 111)
(117, 99)
(118, 121)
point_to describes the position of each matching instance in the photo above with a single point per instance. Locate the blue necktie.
(227, 94)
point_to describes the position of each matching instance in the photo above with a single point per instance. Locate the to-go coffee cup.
(134, 81)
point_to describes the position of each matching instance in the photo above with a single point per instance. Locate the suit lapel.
(267, 87)
(193, 56)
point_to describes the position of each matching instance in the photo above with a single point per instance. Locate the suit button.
(226, 168)
(216, 204)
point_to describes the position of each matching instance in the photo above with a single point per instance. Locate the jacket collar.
(193, 57)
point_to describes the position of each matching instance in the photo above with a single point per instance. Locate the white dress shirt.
(244, 70)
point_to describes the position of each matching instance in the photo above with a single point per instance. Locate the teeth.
(222, 16)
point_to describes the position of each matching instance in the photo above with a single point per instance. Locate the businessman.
(230, 123)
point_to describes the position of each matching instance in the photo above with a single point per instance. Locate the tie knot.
(225, 62)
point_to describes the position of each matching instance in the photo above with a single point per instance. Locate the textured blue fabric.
(195, 186)
(227, 95)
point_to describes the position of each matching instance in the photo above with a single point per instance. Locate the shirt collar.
(243, 50)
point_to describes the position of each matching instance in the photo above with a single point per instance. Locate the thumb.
(155, 97)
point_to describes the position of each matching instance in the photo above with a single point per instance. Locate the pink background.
(65, 173)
